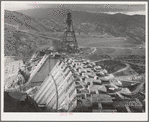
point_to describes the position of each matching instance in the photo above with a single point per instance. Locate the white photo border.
(26, 116)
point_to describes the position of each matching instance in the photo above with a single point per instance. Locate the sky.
(125, 8)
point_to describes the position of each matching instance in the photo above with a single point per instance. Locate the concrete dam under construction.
(76, 84)
(66, 81)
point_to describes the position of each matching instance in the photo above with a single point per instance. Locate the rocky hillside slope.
(23, 35)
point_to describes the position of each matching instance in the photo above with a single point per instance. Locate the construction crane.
(69, 40)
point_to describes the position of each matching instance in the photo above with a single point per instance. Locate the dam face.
(41, 71)
(58, 89)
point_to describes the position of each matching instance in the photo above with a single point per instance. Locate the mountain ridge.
(32, 32)
(115, 24)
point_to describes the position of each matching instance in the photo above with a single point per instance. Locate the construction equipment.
(69, 40)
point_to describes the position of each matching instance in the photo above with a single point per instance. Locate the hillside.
(117, 25)
(27, 31)
(23, 35)
(24, 22)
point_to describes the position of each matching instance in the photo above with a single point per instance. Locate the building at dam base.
(11, 69)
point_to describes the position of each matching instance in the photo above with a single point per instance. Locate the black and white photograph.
(74, 60)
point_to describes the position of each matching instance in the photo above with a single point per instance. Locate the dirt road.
(123, 69)
(94, 50)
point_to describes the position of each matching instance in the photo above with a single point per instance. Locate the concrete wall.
(52, 63)
(42, 72)
(39, 73)
(52, 91)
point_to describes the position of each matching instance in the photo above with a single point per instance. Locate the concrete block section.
(42, 72)
(53, 93)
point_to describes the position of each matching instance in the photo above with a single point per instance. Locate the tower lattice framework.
(69, 40)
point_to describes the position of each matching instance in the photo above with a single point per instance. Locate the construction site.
(65, 80)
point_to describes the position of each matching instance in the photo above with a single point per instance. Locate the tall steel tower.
(69, 40)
